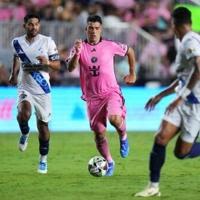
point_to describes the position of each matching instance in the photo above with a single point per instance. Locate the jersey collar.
(86, 41)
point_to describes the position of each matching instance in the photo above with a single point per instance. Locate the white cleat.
(149, 191)
(23, 142)
(42, 167)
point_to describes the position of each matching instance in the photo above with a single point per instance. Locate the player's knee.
(98, 128)
(23, 116)
(161, 140)
(116, 121)
(43, 129)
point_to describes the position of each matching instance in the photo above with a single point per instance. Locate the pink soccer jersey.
(97, 67)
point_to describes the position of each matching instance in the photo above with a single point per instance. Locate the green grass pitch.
(68, 178)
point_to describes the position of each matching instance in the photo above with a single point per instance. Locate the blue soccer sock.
(44, 147)
(157, 159)
(24, 127)
(195, 150)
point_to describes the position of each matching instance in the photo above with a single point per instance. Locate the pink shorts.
(99, 110)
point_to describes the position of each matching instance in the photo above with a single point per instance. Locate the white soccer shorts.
(40, 102)
(187, 117)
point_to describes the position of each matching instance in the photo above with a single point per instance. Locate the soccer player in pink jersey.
(100, 90)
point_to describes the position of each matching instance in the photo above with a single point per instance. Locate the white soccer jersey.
(35, 82)
(188, 49)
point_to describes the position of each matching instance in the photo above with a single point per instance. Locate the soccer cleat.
(42, 167)
(149, 191)
(23, 142)
(124, 148)
(111, 167)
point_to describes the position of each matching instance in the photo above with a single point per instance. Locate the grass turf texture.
(68, 178)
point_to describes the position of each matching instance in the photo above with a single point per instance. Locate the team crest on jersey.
(94, 59)
(94, 70)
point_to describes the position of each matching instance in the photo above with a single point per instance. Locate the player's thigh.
(24, 103)
(116, 106)
(97, 115)
(43, 108)
(169, 127)
(166, 132)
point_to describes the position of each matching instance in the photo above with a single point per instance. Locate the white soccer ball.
(97, 166)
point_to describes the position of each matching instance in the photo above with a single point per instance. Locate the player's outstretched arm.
(131, 77)
(186, 90)
(14, 70)
(153, 101)
(73, 60)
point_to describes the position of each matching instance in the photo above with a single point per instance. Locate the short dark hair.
(30, 16)
(182, 15)
(94, 18)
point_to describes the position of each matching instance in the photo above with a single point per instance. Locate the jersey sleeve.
(119, 48)
(53, 51)
(13, 49)
(192, 49)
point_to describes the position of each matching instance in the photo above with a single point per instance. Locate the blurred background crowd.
(142, 24)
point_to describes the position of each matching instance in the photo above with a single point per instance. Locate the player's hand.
(78, 47)
(151, 103)
(43, 60)
(173, 105)
(130, 79)
(12, 80)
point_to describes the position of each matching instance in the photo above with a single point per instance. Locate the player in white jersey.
(34, 54)
(182, 114)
